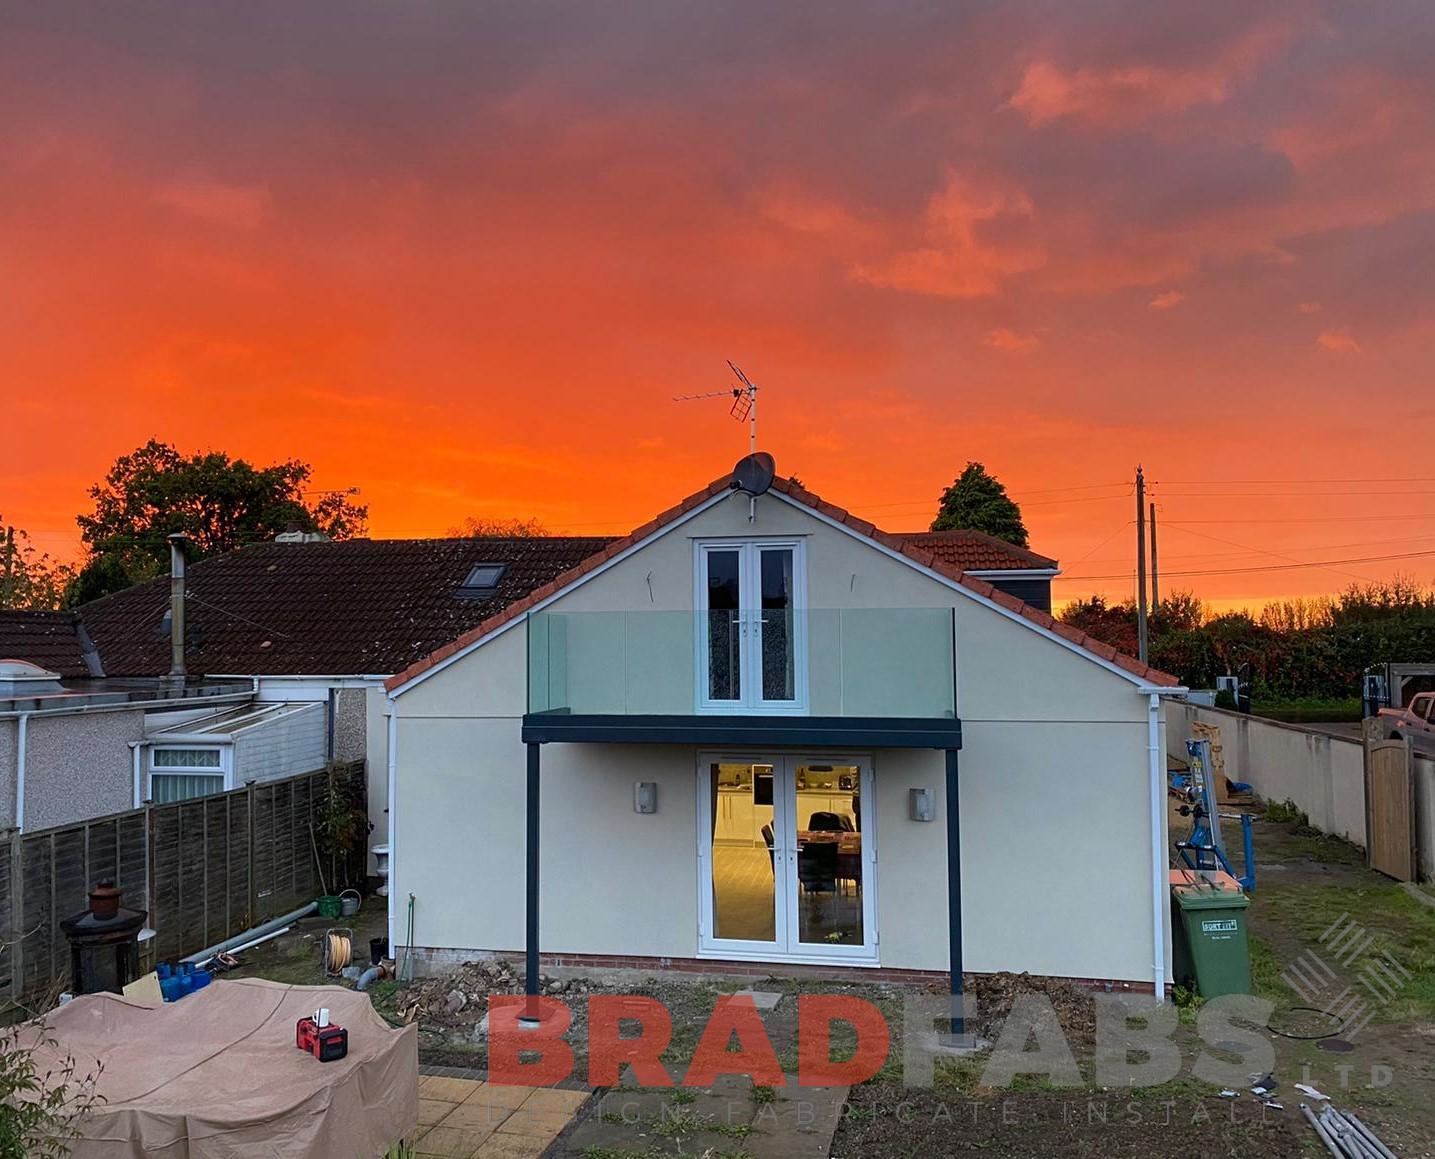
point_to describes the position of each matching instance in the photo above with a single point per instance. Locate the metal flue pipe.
(176, 605)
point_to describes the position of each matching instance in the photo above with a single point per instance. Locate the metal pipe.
(1160, 905)
(176, 604)
(954, 893)
(1370, 1136)
(531, 925)
(1322, 1132)
(1346, 1134)
(258, 931)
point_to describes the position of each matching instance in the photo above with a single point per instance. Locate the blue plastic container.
(169, 989)
(201, 979)
(163, 970)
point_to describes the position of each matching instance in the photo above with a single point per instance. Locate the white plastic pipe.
(1159, 905)
(21, 730)
(392, 778)
(254, 934)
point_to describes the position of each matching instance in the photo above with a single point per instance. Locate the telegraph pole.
(7, 593)
(1155, 577)
(1142, 631)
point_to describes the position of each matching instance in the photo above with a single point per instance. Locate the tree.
(978, 501)
(29, 578)
(218, 502)
(475, 527)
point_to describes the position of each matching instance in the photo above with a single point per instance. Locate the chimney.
(176, 606)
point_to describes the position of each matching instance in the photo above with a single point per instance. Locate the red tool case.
(326, 1043)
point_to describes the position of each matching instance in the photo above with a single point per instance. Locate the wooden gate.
(1390, 809)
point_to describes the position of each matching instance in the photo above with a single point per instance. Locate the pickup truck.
(1417, 721)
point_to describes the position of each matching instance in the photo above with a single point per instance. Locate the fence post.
(253, 887)
(17, 915)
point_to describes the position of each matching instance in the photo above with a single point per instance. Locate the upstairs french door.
(751, 626)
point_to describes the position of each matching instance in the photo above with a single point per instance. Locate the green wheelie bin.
(1209, 951)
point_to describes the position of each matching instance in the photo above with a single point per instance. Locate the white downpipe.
(1158, 845)
(137, 752)
(393, 767)
(21, 730)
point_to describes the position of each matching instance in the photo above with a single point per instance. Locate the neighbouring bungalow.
(759, 733)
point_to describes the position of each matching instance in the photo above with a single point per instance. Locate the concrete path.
(732, 1118)
(461, 1118)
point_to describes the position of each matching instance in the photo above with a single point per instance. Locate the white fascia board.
(996, 573)
(1016, 617)
(711, 501)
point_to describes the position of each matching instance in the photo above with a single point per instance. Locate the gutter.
(238, 696)
(995, 573)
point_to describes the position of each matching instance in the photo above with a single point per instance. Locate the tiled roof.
(356, 607)
(53, 640)
(902, 545)
(977, 551)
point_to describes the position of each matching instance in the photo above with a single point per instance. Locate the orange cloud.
(1339, 342)
(236, 206)
(975, 237)
(1167, 300)
(1126, 94)
(1010, 340)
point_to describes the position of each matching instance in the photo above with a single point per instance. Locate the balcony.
(760, 676)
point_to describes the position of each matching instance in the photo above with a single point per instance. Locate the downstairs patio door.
(785, 871)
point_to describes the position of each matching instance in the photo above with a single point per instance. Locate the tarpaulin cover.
(217, 1075)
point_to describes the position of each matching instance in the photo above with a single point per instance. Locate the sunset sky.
(462, 256)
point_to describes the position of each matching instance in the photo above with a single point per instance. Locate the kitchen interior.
(827, 891)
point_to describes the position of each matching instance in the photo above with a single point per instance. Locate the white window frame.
(225, 770)
(750, 613)
(788, 946)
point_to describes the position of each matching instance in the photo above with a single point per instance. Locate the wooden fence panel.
(8, 949)
(1390, 809)
(205, 869)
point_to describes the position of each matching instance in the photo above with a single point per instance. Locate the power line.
(1386, 479)
(1258, 551)
(1261, 551)
(1325, 563)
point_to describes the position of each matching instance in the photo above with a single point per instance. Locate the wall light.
(920, 804)
(645, 797)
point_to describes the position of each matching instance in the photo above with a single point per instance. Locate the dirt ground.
(1305, 883)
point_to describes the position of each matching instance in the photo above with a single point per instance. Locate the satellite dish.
(754, 473)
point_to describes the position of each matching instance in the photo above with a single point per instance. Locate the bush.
(39, 1112)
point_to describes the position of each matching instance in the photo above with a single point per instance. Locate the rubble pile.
(460, 998)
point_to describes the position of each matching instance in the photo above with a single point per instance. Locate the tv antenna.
(744, 402)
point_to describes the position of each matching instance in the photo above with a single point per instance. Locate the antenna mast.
(744, 407)
(744, 403)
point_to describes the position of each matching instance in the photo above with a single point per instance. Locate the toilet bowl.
(381, 867)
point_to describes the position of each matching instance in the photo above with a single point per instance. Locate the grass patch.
(1310, 709)
(1175, 1089)
(1286, 812)
(763, 1094)
(1402, 928)
(681, 1097)
(1266, 970)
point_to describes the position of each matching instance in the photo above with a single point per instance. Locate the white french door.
(751, 627)
(787, 858)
